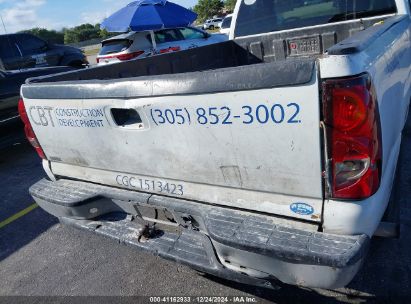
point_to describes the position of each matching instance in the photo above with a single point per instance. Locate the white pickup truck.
(268, 158)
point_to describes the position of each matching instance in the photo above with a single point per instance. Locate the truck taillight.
(353, 131)
(29, 130)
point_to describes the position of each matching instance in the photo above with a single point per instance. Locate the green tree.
(206, 9)
(104, 34)
(229, 5)
(48, 35)
(76, 34)
(81, 33)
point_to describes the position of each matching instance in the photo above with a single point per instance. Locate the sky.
(56, 14)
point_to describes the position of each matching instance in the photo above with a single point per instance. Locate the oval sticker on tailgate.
(302, 208)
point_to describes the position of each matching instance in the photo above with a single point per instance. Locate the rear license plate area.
(304, 46)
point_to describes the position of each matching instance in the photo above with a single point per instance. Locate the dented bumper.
(236, 245)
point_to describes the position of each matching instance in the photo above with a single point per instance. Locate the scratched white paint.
(264, 167)
(390, 70)
(257, 166)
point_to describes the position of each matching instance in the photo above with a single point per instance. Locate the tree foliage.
(206, 9)
(47, 35)
(71, 35)
(229, 5)
(82, 33)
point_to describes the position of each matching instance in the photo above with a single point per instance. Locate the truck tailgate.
(257, 149)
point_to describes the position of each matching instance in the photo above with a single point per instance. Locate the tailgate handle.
(126, 117)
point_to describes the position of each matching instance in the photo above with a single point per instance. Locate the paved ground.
(40, 257)
(92, 59)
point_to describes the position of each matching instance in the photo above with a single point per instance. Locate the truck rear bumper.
(236, 245)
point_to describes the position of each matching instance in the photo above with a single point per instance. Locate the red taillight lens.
(353, 132)
(31, 137)
(129, 56)
(122, 57)
(170, 49)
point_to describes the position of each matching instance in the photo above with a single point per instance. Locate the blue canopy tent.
(146, 15)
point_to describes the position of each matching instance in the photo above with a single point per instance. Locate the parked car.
(11, 128)
(211, 24)
(135, 45)
(226, 24)
(22, 51)
(274, 153)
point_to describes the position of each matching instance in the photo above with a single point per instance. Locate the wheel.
(211, 27)
(76, 64)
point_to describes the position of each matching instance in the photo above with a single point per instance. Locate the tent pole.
(153, 40)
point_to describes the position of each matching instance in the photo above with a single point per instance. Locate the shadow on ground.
(20, 167)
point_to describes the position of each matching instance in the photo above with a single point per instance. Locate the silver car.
(211, 24)
(136, 45)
